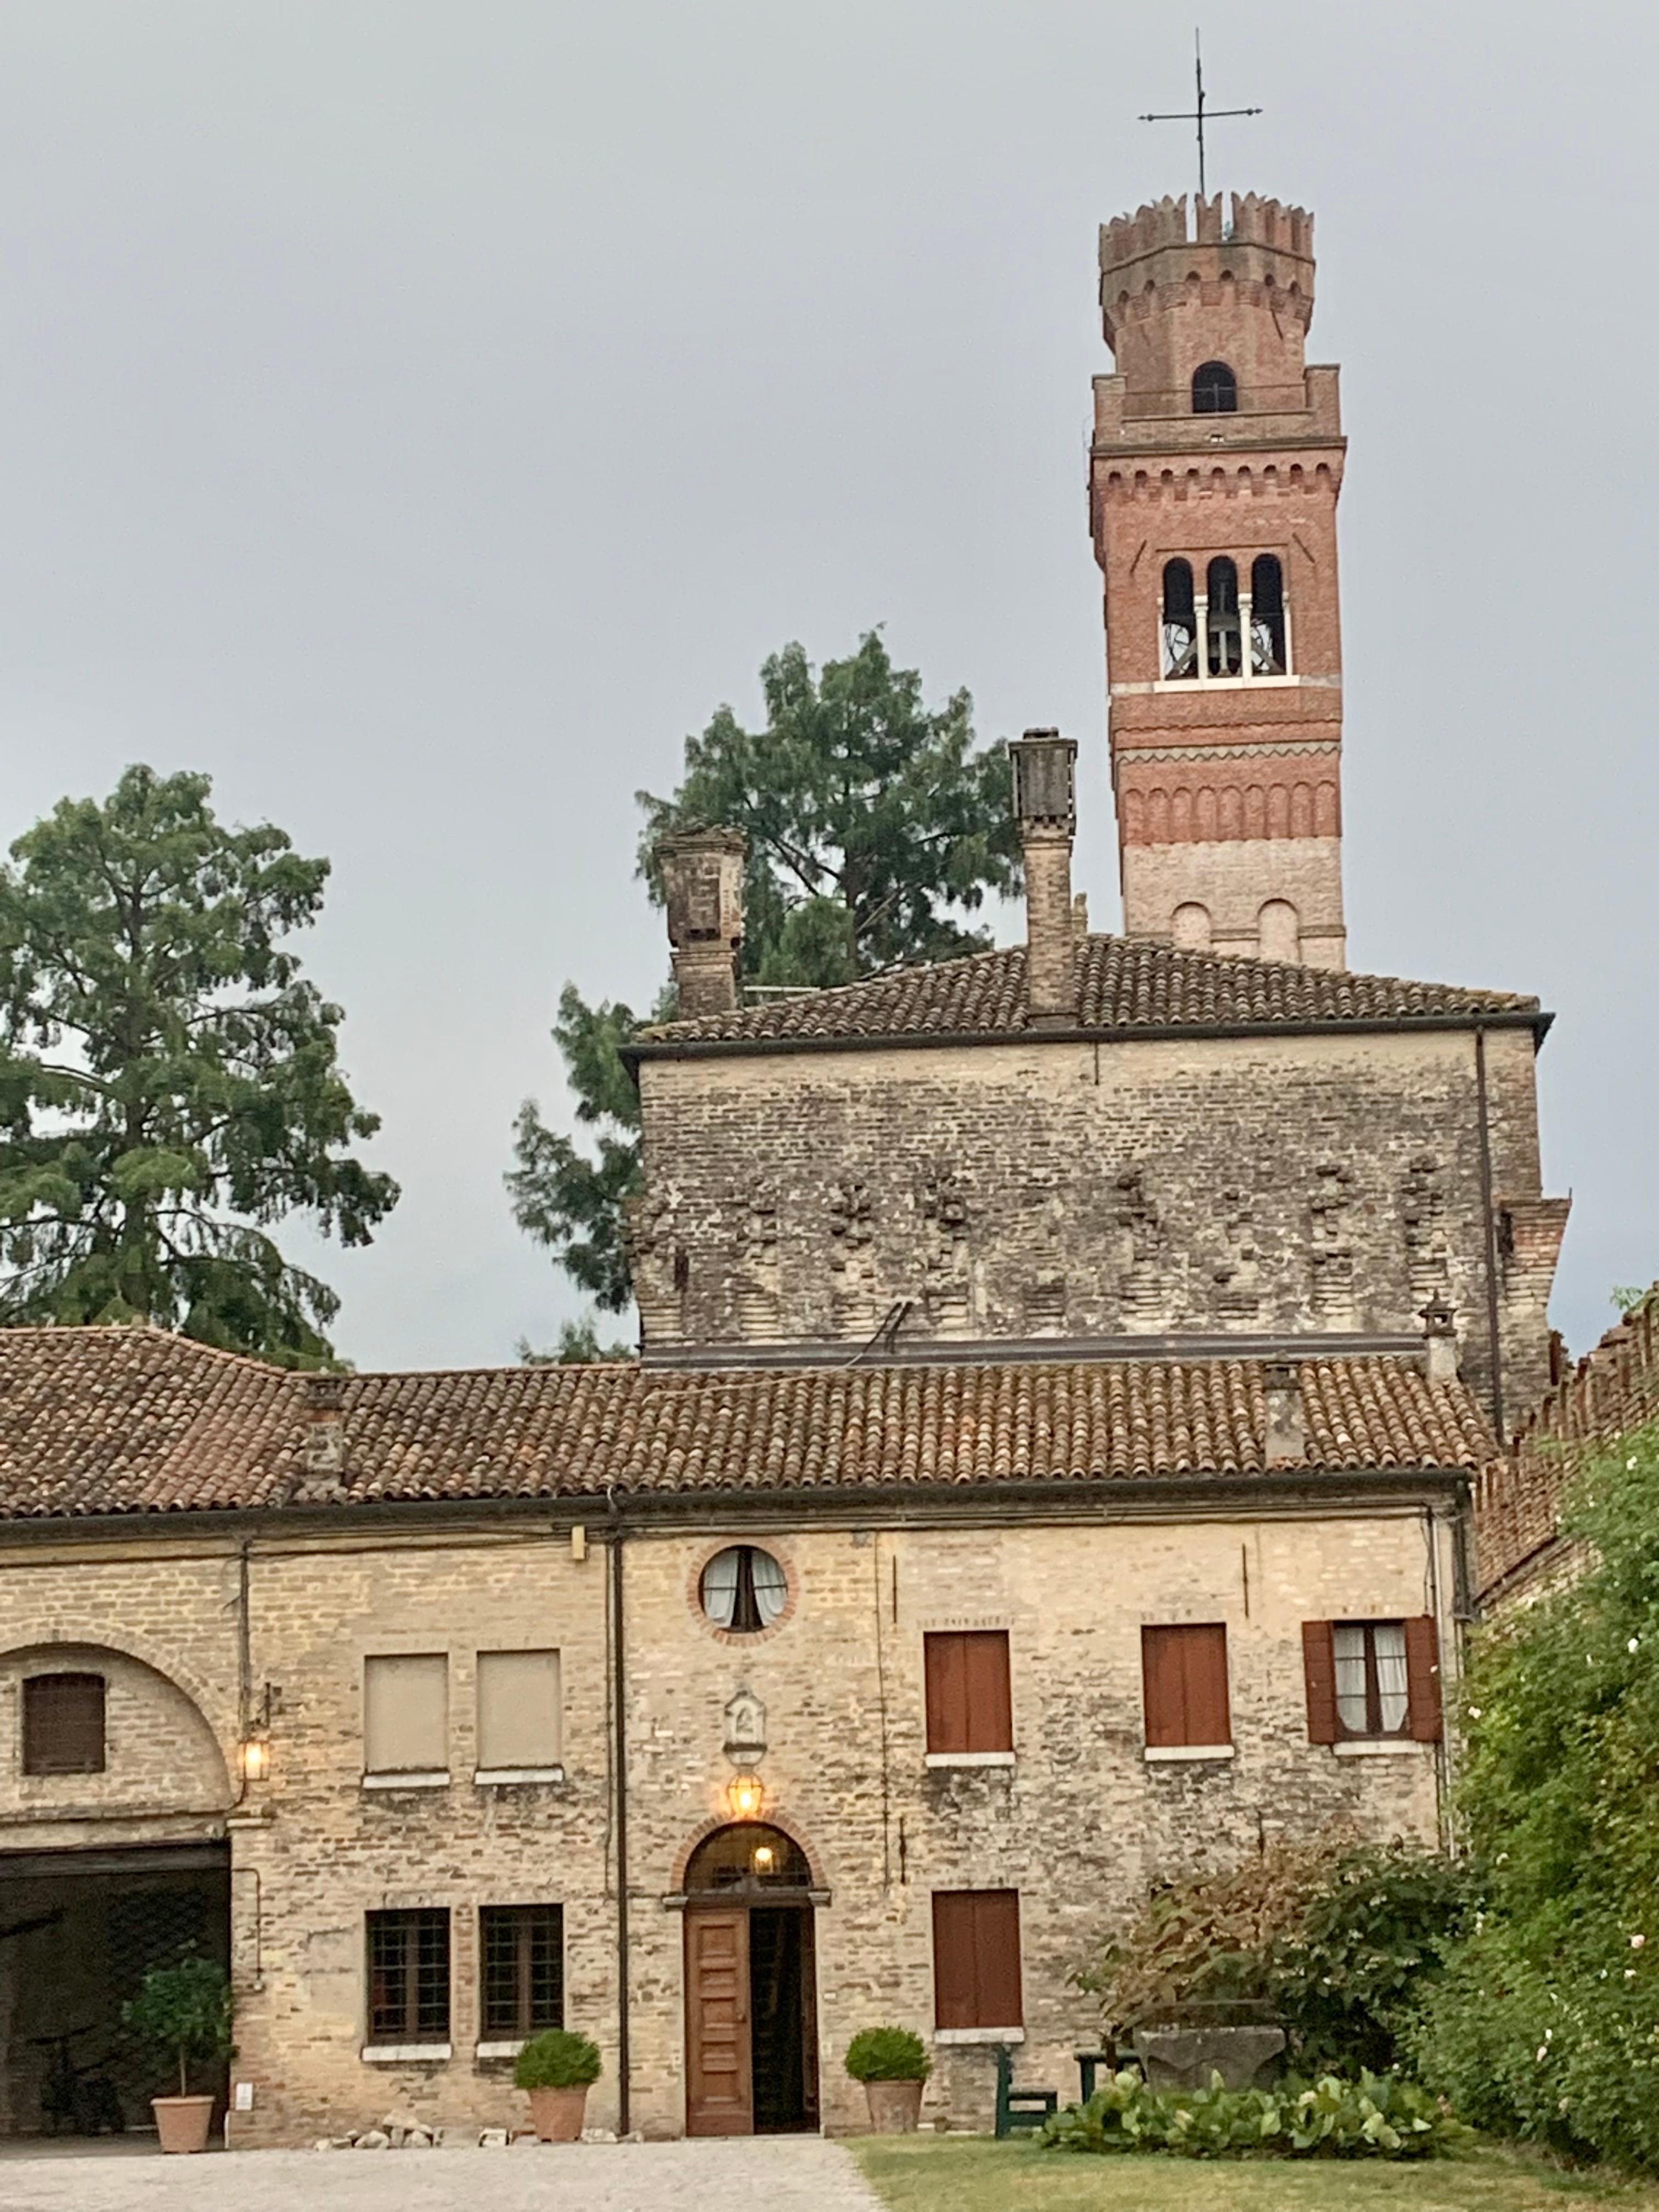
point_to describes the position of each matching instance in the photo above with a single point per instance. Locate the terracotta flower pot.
(556, 2114)
(183, 2122)
(895, 2107)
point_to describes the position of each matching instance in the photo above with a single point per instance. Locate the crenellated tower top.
(1256, 266)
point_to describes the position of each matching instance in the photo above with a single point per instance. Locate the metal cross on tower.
(1197, 115)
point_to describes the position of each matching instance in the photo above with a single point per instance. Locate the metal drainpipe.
(1492, 1233)
(619, 1742)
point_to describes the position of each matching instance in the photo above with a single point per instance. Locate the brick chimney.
(1287, 1441)
(1045, 800)
(1439, 1323)
(703, 882)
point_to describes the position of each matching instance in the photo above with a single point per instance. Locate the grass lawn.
(959, 2174)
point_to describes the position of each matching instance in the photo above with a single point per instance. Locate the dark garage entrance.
(78, 1932)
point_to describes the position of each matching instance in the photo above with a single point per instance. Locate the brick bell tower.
(1214, 471)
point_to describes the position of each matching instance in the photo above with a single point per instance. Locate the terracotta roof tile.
(1121, 985)
(108, 1420)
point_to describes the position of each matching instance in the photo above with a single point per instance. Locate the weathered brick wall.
(330, 1851)
(1082, 1823)
(1324, 1182)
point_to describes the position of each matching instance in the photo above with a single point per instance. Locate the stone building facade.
(169, 1538)
(1064, 1374)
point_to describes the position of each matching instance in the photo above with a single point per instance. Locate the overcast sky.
(420, 416)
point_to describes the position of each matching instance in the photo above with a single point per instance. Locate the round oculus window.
(743, 1590)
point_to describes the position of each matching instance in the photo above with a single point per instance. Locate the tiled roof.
(1121, 984)
(99, 1421)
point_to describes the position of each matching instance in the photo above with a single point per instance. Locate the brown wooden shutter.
(947, 1665)
(1319, 1669)
(1204, 1655)
(953, 1959)
(990, 1711)
(976, 1968)
(1163, 1686)
(64, 1724)
(969, 1707)
(996, 1953)
(1422, 1679)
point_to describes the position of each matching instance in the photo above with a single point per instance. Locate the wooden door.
(720, 2093)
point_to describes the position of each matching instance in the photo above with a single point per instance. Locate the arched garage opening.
(111, 1784)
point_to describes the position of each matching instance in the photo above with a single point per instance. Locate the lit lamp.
(765, 1860)
(745, 1796)
(256, 1758)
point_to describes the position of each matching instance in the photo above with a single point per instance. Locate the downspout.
(619, 1743)
(1494, 1351)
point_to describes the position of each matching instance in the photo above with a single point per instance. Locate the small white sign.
(243, 2099)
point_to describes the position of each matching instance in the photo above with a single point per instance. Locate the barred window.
(64, 1724)
(409, 1976)
(522, 1947)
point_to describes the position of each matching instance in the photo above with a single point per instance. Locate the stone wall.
(1080, 1823)
(1322, 1183)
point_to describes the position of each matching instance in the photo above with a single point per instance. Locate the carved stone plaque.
(745, 1728)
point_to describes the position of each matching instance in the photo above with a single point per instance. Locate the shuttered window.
(969, 1707)
(64, 1724)
(976, 1959)
(1371, 1679)
(409, 1976)
(406, 1713)
(1184, 1673)
(518, 1709)
(522, 1948)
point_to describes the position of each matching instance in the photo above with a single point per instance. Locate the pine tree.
(872, 824)
(168, 1080)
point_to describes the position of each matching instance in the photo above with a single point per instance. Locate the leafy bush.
(888, 2054)
(185, 2010)
(1548, 2026)
(1375, 1933)
(558, 2059)
(1378, 2116)
(1203, 1940)
(1336, 1940)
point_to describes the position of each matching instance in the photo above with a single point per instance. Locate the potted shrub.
(892, 2063)
(184, 2010)
(557, 2067)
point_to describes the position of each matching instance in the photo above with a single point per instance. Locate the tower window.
(1223, 638)
(1215, 389)
(1267, 655)
(1180, 654)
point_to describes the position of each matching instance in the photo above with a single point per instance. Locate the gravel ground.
(799, 2174)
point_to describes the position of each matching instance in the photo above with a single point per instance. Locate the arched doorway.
(751, 2043)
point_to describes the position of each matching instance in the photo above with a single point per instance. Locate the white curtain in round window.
(771, 1587)
(719, 1587)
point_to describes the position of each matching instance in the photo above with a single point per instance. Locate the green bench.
(1019, 2111)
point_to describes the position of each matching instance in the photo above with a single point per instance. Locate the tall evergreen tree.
(168, 1080)
(873, 824)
